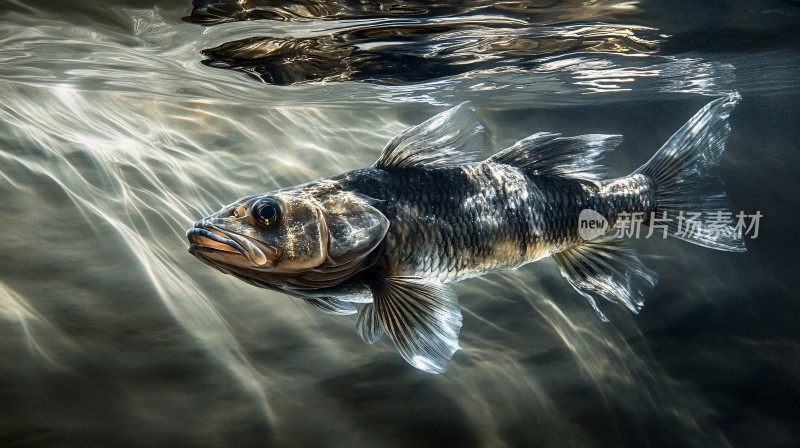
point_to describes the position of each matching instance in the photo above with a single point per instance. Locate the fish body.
(391, 237)
(451, 223)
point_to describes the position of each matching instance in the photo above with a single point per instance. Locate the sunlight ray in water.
(625, 376)
(115, 173)
(43, 339)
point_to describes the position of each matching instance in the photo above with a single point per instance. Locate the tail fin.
(688, 185)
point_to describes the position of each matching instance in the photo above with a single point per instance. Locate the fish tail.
(689, 192)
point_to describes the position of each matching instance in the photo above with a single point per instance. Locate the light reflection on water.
(115, 138)
(160, 56)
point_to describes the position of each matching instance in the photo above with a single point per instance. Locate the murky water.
(115, 136)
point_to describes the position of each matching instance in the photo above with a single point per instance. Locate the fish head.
(297, 239)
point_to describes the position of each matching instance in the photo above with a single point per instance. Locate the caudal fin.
(688, 185)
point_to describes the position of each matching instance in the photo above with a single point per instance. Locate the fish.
(386, 242)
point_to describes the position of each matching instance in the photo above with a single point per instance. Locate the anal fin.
(608, 268)
(422, 317)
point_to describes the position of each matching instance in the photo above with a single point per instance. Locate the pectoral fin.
(368, 326)
(608, 268)
(422, 317)
(332, 306)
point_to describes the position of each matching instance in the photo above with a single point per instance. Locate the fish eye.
(266, 211)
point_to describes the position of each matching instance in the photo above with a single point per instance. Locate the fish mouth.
(206, 238)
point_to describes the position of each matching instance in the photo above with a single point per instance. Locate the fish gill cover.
(411, 42)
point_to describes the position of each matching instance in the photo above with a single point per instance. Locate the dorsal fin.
(448, 138)
(548, 154)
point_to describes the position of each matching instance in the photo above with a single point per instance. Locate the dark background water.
(115, 137)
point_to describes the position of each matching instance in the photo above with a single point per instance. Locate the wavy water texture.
(114, 138)
(43, 340)
(114, 179)
(213, 12)
(154, 57)
(416, 52)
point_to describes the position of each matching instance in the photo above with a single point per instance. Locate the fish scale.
(452, 223)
